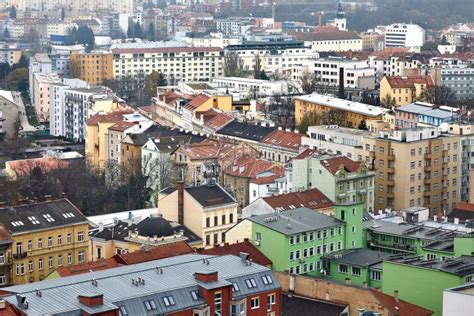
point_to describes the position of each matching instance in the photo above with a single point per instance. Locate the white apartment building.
(357, 73)
(393, 65)
(213, 40)
(249, 86)
(336, 140)
(176, 63)
(331, 41)
(42, 92)
(233, 26)
(404, 35)
(460, 80)
(75, 5)
(40, 63)
(279, 57)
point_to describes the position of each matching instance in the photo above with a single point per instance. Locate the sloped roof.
(246, 131)
(210, 195)
(285, 139)
(399, 307)
(311, 198)
(398, 82)
(304, 154)
(196, 102)
(235, 249)
(206, 150)
(100, 264)
(334, 164)
(154, 253)
(111, 117)
(249, 167)
(214, 119)
(121, 126)
(464, 211)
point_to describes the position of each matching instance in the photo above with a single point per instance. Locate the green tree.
(444, 40)
(152, 81)
(263, 75)
(257, 67)
(233, 65)
(429, 46)
(85, 36)
(12, 12)
(388, 102)
(150, 34)
(362, 125)
(18, 80)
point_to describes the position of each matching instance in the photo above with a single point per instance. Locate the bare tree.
(439, 95)
(233, 65)
(311, 82)
(282, 110)
(388, 102)
(333, 117)
(310, 118)
(74, 68)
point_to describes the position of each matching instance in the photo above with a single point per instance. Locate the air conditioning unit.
(257, 243)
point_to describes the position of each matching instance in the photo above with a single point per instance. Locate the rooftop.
(332, 34)
(246, 131)
(285, 139)
(173, 277)
(342, 104)
(210, 195)
(399, 82)
(251, 167)
(426, 110)
(464, 211)
(311, 198)
(40, 216)
(296, 221)
(235, 249)
(358, 257)
(303, 306)
(333, 165)
(460, 266)
(154, 253)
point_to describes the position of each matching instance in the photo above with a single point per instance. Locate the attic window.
(195, 295)
(250, 283)
(68, 215)
(150, 305)
(235, 287)
(168, 300)
(267, 279)
(33, 220)
(122, 311)
(292, 206)
(48, 218)
(17, 223)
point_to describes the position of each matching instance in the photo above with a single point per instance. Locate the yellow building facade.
(94, 68)
(404, 90)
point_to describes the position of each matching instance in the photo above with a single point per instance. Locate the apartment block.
(415, 167)
(177, 63)
(460, 80)
(330, 39)
(94, 68)
(404, 89)
(42, 236)
(404, 35)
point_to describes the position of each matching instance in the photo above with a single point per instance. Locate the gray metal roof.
(358, 257)
(425, 110)
(296, 221)
(60, 296)
(407, 230)
(461, 266)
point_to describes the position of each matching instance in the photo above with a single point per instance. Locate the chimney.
(181, 202)
(92, 300)
(206, 277)
(341, 83)
(244, 256)
(3, 304)
(101, 226)
(395, 295)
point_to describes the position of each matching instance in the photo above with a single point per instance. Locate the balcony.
(392, 246)
(20, 255)
(391, 157)
(428, 156)
(390, 170)
(390, 195)
(427, 168)
(390, 182)
(427, 193)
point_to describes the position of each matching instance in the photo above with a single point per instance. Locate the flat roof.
(358, 257)
(342, 104)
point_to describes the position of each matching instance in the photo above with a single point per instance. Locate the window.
(218, 304)
(267, 279)
(271, 300)
(50, 242)
(258, 236)
(60, 260)
(80, 256)
(40, 243)
(250, 283)
(30, 245)
(208, 222)
(235, 287)
(60, 240)
(69, 258)
(375, 275)
(356, 271)
(168, 300)
(30, 266)
(80, 236)
(353, 229)
(123, 311)
(255, 303)
(150, 305)
(342, 268)
(69, 238)
(216, 219)
(40, 264)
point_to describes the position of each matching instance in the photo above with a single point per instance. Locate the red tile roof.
(285, 139)
(214, 119)
(5, 234)
(235, 249)
(25, 167)
(249, 167)
(400, 307)
(10, 310)
(196, 102)
(462, 211)
(267, 180)
(209, 149)
(304, 154)
(398, 82)
(311, 198)
(101, 264)
(111, 117)
(154, 253)
(121, 126)
(333, 165)
(469, 207)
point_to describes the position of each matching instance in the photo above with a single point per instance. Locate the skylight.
(48, 217)
(250, 283)
(33, 220)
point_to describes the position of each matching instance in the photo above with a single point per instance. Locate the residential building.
(202, 285)
(421, 165)
(274, 57)
(297, 239)
(97, 141)
(336, 140)
(407, 274)
(251, 134)
(355, 74)
(404, 35)
(208, 211)
(10, 114)
(94, 68)
(43, 236)
(312, 199)
(372, 41)
(9, 54)
(458, 300)
(238, 174)
(338, 177)
(420, 114)
(175, 63)
(124, 237)
(359, 299)
(280, 145)
(233, 26)
(235, 249)
(463, 212)
(460, 80)
(42, 92)
(6, 256)
(213, 40)
(353, 112)
(330, 39)
(404, 89)
(252, 87)
(362, 267)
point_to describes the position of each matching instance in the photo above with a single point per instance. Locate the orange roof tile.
(121, 126)
(399, 307)
(285, 139)
(206, 150)
(196, 102)
(305, 153)
(311, 198)
(333, 165)
(154, 253)
(235, 249)
(398, 82)
(249, 167)
(101, 264)
(111, 117)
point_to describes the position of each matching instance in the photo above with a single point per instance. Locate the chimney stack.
(341, 83)
(181, 202)
(395, 295)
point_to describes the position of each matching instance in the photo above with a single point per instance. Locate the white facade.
(459, 301)
(248, 86)
(213, 40)
(404, 35)
(336, 140)
(392, 65)
(232, 26)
